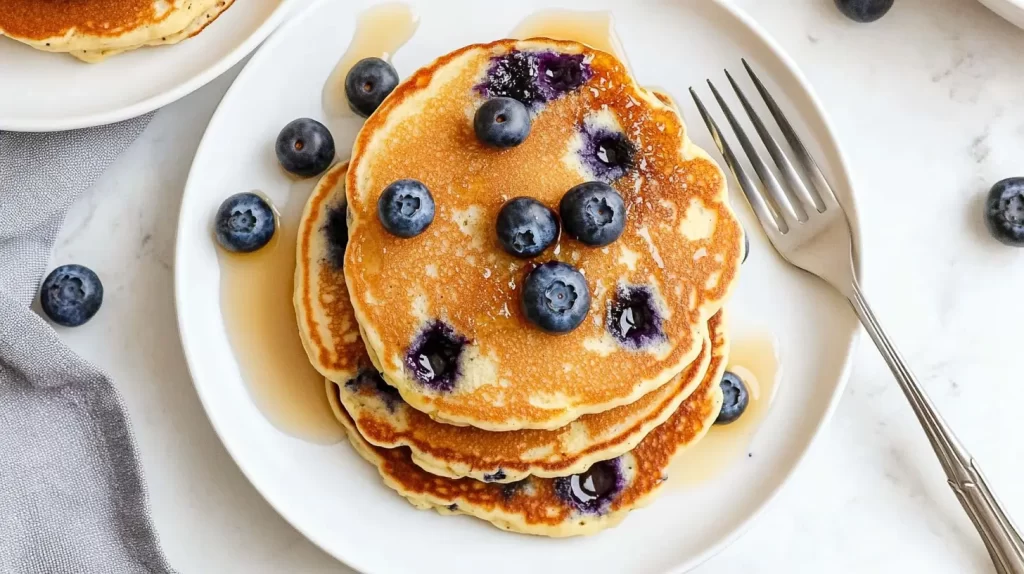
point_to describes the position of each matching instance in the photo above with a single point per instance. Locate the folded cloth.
(72, 498)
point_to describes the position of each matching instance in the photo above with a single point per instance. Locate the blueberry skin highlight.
(502, 123)
(244, 223)
(71, 295)
(368, 83)
(555, 297)
(1004, 211)
(526, 227)
(406, 208)
(305, 147)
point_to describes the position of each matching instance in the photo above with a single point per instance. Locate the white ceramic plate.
(337, 499)
(40, 91)
(1012, 10)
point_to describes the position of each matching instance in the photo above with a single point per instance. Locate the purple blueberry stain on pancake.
(608, 154)
(433, 357)
(511, 489)
(592, 491)
(633, 317)
(335, 230)
(498, 475)
(371, 381)
(534, 78)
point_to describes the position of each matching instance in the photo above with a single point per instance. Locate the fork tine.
(797, 189)
(762, 210)
(775, 195)
(813, 173)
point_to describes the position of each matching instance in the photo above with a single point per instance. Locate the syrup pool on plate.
(256, 301)
(593, 28)
(380, 31)
(754, 359)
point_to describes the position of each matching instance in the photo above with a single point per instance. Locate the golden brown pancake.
(328, 329)
(449, 297)
(579, 504)
(92, 30)
(384, 420)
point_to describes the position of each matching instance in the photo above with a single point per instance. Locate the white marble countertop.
(928, 104)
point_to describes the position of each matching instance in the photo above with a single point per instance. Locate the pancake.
(93, 30)
(575, 505)
(329, 333)
(448, 299)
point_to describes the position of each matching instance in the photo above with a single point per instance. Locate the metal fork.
(808, 227)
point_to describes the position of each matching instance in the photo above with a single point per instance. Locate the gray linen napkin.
(72, 497)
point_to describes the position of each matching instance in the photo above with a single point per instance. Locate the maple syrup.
(256, 300)
(380, 31)
(593, 28)
(754, 359)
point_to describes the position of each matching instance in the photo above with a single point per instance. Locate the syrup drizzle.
(593, 28)
(380, 31)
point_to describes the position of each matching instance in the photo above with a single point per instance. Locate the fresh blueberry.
(593, 213)
(556, 297)
(736, 398)
(1004, 211)
(368, 83)
(502, 122)
(433, 358)
(406, 208)
(593, 490)
(245, 222)
(633, 317)
(305, 147)
(71, 295)
(864, 10)
(526, 227)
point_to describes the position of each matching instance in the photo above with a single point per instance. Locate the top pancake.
(94, 29)
(452, 293)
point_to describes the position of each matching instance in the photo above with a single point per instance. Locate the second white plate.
(334, 497)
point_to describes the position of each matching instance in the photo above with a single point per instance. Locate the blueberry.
(864, 10)
(498, 475)
(593, 490)
(502, 122)
(71, 295)
(593, 213)
(526, 227)
(368, 83)
(335, 231)
(305, 147)
(245, 222)
(1004, 211)
(556, 297)
(607, 153)
(371, 380)
(633, 317)
(535, 78)
(433, 358)
(736, 398)
(406, 208)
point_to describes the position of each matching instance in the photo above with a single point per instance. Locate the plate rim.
(851, 201)
(214, 70)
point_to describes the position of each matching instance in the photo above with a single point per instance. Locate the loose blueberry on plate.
(593, 213)
(305, 147)
(502, 122)
(406, 208)
(368, 83)
(526, 227)
(864, 10)
(736, 398)
(1004, 211)
(245, 222)
(71, 295)
(556, 297)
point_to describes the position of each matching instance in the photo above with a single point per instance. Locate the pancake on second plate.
(450, 297)
(328, 330)
(574, 505)
(92, 30)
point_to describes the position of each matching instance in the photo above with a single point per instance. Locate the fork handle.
(965, 478)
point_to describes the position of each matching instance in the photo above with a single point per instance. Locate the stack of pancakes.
(92, 30)
(442, 383)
